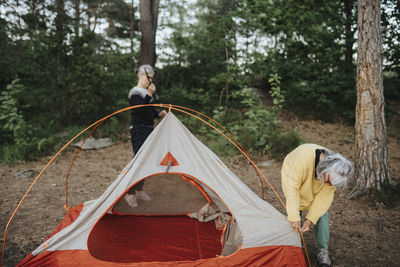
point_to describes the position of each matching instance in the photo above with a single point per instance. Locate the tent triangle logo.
(169, 160)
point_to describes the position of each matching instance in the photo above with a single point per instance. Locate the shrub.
(280, 143)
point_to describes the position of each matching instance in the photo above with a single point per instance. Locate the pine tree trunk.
(372, 168)
(60, 51)
(77, 20)
(132, 32)
(349, 41)
(148, 27)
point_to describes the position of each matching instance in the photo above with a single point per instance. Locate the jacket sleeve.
(291, 181)
(321, 203)
(137, 100)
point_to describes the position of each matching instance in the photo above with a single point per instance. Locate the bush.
(113, 128)
(280, 143)
(254, 125)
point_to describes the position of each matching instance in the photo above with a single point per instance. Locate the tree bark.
(59, 50)
(349, 40)
(372, 167)
(148, 27)
(132, 33)
(132, 25)
(77, 19)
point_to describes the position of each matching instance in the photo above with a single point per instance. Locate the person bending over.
(142, 122)
(310, 176)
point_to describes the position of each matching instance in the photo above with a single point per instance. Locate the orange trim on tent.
(197, 186)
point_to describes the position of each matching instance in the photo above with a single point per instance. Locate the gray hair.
(145, 68)
(337, 167)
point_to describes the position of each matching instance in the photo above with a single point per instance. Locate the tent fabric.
(266, 235)
(156, 238)
(260, 256)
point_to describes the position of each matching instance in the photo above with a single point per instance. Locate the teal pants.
(322, 231)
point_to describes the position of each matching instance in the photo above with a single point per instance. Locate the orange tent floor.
(153, 238)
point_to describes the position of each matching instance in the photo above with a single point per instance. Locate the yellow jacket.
(301, 189)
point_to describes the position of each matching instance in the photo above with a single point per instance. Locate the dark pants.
(139, 133)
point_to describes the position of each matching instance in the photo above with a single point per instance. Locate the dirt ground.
(356, 239)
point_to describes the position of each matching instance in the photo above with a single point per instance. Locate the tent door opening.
(181, 222)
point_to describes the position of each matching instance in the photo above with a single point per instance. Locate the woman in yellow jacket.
(310, 176)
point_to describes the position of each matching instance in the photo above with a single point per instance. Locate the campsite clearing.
(356, 239)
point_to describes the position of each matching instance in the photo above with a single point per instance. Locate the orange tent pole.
(73, 161)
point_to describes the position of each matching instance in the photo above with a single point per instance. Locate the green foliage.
(205, 64)
(277, 97)
(20, 140)
(11, 118)
(308, 53)
(258, 122)
(71, 74)
(66, 78)
(113, 127)
(255, 129)
(280, 143)
(15, 132)
(391, 35)
(254, 125)
(244, 98)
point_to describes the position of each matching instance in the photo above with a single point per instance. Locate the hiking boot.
(142, 195)
(323, 258)
(131, 200)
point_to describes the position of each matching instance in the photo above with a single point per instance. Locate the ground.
(363, 232)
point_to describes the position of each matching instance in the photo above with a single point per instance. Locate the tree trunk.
(32, 27)
(372, 168)
(77, 19)
(148, 27)
(349, 40)
(61, 30)
(132, 31)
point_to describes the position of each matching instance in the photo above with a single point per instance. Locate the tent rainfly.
(200, 214)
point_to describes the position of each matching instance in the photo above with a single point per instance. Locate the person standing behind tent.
(310, 176)
(142, 122)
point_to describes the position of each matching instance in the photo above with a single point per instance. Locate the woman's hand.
(306, 226)
(296, 226)
(151, 90)
(163, 113)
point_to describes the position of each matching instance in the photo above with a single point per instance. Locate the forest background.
(66, 64)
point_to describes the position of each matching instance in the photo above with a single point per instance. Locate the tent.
(200, 214)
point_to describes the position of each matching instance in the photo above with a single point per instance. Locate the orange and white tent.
(200, 214)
